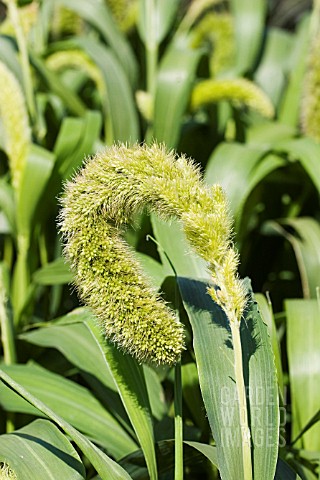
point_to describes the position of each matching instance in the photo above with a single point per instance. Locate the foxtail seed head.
(103, 197)
(14, 119)
(310, 107)
(6, 473)
(218, 30)
(238, 91)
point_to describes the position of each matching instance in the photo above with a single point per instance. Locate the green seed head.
(101, 199)
(6, 473)
(310, 108)
(14, 119)
(238, 91)
(217, 29)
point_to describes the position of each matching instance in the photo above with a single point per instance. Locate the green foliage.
(234, 86)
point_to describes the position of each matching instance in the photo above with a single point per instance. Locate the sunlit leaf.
(45, 451)
(175, 78)
(249, 25)
(303, 337)
(214, 354)
(99, 15)
(69, 400)
(129, 378)
(104, 465)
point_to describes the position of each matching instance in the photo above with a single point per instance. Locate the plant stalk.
(152, 51)
(7, 339)
(20, 277)
(151, 47)
(241, 390)
(7, 328)
(178, 427)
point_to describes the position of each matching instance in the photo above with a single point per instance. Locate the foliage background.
(87, 74)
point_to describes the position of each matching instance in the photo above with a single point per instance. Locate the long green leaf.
(249, 24)
(107, 468)
(37, 171)
(7, 204)
(130, 381)
(77, 343)
(184, 262)
(81, 344)
(76, 139)
(214, 354)
(303, 339)
(98, 14)
(8, 55)
(272, 72)
(305, 241)
(192, 395)
(40, 451)
(153, 30)
(230, 165)
(35, 178)
(239, 169)
(265, 309)
(74, 339)
(69, 137)
(69, 98)
(121, 106)
(175, 78)
(268, 133)
(69, 400)
(290, 106)
(307, 152)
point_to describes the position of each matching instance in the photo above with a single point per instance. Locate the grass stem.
(178, 427)
(7, 339)
(7, 328)
(243, 413)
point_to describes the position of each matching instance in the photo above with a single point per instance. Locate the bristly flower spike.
(101, 199)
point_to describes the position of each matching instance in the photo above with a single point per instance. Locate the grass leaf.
(175, 78)
(54, 273)
(305, 241)
(249, 24)
(129, 378)
(122, 112)
(214, 354)
(107, 468)
(303, 338)
(99, 15)
(46, 453)
(77, 405)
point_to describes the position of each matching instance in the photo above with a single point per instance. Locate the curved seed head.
(102, 198)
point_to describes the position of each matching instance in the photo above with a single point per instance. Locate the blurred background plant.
(233, 84)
